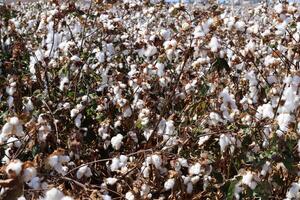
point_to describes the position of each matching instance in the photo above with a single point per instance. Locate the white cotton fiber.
(169, 184)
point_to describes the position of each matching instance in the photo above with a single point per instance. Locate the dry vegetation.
(133, 100)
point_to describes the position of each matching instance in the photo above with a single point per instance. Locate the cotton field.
(133, 100)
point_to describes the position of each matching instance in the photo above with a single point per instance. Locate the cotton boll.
(63, 82)
(265, 168)
(248, 180)
(100, 57)
(214, 44)
(13, 141)
(278, 8)
(283, 121)
(74, 112)
(115, 164)
(293, 192)
(150, 51)
(157, 161)
(35, 183)
(169, 184)
(7, 129)
(265, 111)
(21, 198)
(14, 168)
(116, 141)
(106, 197)
(224, 141)
(189, 188)
(111, 181)
(67, 198)
(240, 26)
(160, 69)
(29, 173)
(195, 169)
(53, 194)
(83, 171)
(53, 160)
(129, 196)
(78, 120)
(203, 139)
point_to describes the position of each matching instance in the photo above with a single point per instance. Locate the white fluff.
(195, 169)
(111, 181)
(265, 168)
(83, 171)
(53, 194)
(169, 184)
(116, 141)
(214, 44)
(293, 192)
(224, 141)
(156, 160)
(129, 196)
(29, 173)
(248, 180)
(265, 111)
(150, 51)
(14, 167)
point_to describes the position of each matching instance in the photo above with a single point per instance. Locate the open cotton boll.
(111, 181)
(100, 57)
(156, 161)
(150, 51)
(13, 141)
(67, 198)
(224, 141)
(265, 168)
(106, 197)
(265, 111)
(35, 183)
(293, 192)
(83, 171)
(195, 169)
(21, 198)
(7, 129)
(214, 44)
(14, 168)
(129, 196)
(169, 184)
(53, 194)
(240, 25)
(283, 121)
(53, 160)
(116, 141)
(63, 82)
(248, 179)
(278, 8)
(29, 173)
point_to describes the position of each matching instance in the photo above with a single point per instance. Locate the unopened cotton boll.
(116, 141)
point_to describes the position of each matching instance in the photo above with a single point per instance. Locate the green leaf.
(230, 192)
